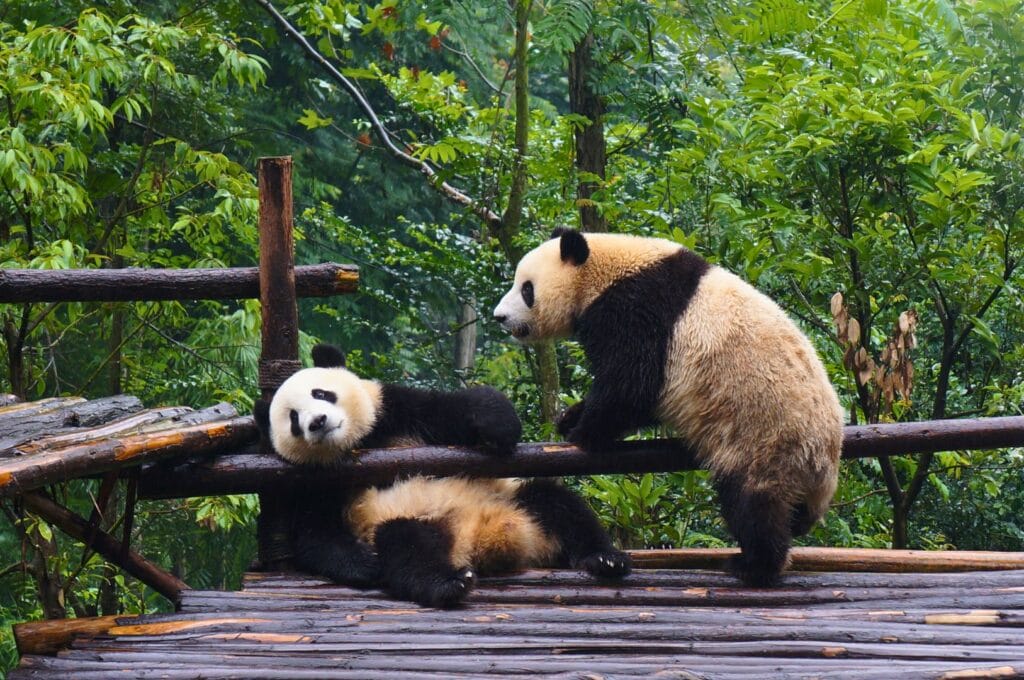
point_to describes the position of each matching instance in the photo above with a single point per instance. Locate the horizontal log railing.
(248, 471)
(130, 284)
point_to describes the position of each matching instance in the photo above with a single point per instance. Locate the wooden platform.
(669, 623)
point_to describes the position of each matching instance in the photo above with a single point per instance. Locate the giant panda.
(421, 539)
(673, 340)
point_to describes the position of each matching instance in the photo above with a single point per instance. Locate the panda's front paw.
(569, 419)
(606, 564)
(493, 419)
(590, 441)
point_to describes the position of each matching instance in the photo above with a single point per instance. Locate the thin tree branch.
(448, 191)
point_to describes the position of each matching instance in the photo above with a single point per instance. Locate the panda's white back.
(745, 387)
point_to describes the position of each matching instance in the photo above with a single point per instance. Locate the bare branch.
(451, 193)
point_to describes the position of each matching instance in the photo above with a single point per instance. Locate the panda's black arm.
(479, 417)
(626, 345)
(626, 333)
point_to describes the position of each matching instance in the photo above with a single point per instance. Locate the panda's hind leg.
(762, 524)
(415, 561)
(568, 519)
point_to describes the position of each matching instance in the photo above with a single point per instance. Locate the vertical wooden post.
(279, 356)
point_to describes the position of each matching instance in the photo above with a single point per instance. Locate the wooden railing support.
(244, 473)
(279, 357)
(135, 284)
(168, 585)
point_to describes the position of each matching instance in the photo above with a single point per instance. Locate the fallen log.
(168, 585)
(150, 420)
(23, 473)
(51, 636)
(14, 412)
(26, 426)
(249, 471)
(132, 284)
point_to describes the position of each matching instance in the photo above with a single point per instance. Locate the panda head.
(319, 413)
(544, 298)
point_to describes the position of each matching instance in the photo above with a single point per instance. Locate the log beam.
(168, 585)
(23, 473)
(840, 559)
(133, 284)
(246, 471)
(50, 636)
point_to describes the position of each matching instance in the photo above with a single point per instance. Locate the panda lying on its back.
(673, 339)
(421, 539)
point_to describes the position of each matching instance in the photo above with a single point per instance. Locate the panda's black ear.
(328, 356)
(261, 412)
(573, 245)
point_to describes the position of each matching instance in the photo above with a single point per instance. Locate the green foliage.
(871, 147)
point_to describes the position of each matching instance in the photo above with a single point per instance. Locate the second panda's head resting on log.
(420, 538)
(323, 412)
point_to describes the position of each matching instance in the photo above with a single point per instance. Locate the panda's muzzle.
(317, 424)
(519, 329)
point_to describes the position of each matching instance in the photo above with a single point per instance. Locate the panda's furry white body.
(674, 340)
(745, 388)
(421, 538)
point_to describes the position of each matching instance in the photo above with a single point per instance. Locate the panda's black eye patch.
(527, 291)
(296, 428)
(325, 395)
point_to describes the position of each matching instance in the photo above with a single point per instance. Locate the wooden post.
(279, 357)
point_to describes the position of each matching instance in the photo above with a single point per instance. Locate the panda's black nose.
(317, 423)
(500, 318)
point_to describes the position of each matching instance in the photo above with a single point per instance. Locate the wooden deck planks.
(682, 624)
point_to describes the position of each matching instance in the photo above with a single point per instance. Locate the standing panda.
(672, 339)
(421, 539)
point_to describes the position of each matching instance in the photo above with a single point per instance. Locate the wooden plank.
(134, 284)
(21, 474)
(250, 471)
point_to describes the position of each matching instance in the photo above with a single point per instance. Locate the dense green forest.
(859, 160)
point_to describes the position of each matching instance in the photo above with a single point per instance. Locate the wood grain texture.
(134, 284)
(19, 474)
(681, 624)
(250, 470)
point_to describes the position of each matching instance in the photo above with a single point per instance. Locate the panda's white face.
(559, 279)
(542, 301)
(318, 414)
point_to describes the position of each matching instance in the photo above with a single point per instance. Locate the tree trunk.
(590, 143)
(48, 587)
(15, 358)
(465, 339)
